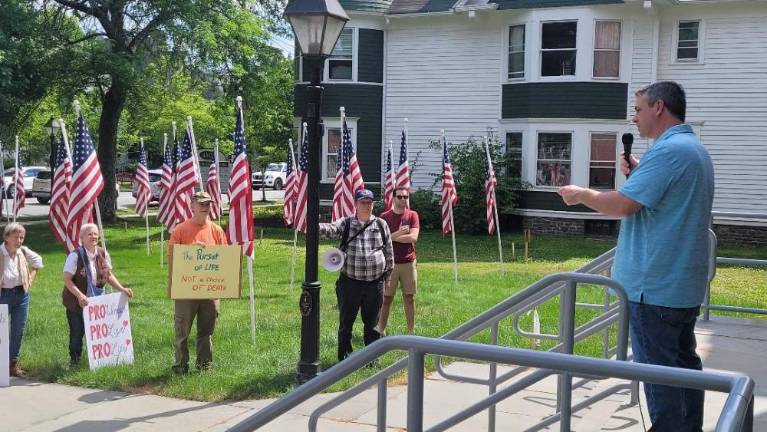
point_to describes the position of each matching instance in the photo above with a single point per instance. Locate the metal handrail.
(713, 260)
(737, 414)
(482, 321)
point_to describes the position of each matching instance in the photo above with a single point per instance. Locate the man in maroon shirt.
(404, 226)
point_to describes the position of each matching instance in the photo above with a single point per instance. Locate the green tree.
(214, 41)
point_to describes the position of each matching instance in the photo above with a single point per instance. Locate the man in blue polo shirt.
(662, 254)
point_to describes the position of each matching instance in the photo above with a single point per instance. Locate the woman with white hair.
(19, 267)
(86, 270)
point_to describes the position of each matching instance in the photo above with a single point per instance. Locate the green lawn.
(267, 369)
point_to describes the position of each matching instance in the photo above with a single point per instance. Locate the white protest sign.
(5, 346)
(107, 330)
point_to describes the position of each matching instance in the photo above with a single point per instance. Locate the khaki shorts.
(406, 275)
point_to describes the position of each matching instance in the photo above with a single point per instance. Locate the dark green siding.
(538, 200)
(370, 52)
(591, 100)
(362, 101)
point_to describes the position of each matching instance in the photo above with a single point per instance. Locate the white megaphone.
(333, 259)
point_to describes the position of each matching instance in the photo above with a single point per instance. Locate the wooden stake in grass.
(513, 251)
(526, 251)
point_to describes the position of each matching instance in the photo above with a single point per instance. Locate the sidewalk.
(737, 345)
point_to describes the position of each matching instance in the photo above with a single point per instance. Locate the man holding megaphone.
(366, 241)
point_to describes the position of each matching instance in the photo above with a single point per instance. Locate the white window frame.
(541, 50)
(325, 69)
(534, 176)
(521, 149)
(355, 43)
(508, 52)
(615, 157)
(675, 42)
(594, 49)
(335, 123)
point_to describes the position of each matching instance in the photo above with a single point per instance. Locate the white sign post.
(107, 331)
(5, 346)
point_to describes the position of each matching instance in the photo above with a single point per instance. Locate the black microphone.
(627, 139)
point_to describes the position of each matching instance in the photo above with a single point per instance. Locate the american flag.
(449, 195)
(214, 190)
(240, 229)
(490, 201)
(302, 177)
(19, 193)
(87, 183)
(186, 179)
(62, 179)
(166, 213)
(339, 208)
(388, 182)
(291, 191)
(143, 190)
(403, 170)
(352, 175)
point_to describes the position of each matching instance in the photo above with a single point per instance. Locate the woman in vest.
(86, 270)
(19, 267)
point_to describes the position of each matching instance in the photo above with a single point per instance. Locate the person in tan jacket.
(19, 266)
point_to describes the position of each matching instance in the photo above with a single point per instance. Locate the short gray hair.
(13, 228)
(86, 227)
(672, 95)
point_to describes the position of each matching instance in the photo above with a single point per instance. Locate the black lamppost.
(51, 127)
(316, 25)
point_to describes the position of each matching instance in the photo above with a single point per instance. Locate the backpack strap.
(345, 237)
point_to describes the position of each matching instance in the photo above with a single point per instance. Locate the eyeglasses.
(402, 197)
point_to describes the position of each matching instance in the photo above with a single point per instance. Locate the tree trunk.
(112, 105)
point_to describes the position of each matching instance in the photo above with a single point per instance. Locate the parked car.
(154, 184)
(274, 176)
(41, 186)
(29, 175)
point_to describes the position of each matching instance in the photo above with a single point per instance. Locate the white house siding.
(727, 92)
(442, 72)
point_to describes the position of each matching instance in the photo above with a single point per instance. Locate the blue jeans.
(665, 336)
(18, 309)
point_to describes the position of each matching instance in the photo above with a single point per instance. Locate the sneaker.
(379, 331)
(15, 370)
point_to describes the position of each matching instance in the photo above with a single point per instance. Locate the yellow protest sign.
(210, 272)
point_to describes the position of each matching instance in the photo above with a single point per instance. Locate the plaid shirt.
(369, 256)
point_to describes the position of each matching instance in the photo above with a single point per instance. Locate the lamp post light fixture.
(316, 24)
(52, 127)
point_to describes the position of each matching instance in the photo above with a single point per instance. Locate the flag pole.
(2, 173)
(15, 177)
(195, 158)
(252, 297)
(295, 230)
(218, 183)
(495, 209)
(245, 247)
(146, 210)
(452, 234)
(162, 225)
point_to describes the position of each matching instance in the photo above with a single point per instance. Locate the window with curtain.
(558, 41)
(517, 51)
(603, 160)
(331, 154)
(554, 160)
(607, 49)
(514, 154)
(340, 60)
(687, 41)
